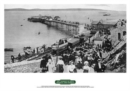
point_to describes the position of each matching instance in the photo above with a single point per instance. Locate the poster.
(64, 45)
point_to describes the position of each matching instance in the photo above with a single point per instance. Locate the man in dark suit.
(65, 58)
(12, 58)
(99, 67)
(43, 64)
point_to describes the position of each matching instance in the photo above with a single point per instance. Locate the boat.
(64, 43)
(39, 33)
(8, 49)
(106, 14)
(60, 45)
(73, 41)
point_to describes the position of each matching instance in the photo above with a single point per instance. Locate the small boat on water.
(39, 33)
(106, 14)
(8, 49)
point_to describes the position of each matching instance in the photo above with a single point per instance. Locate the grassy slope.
(28, 68)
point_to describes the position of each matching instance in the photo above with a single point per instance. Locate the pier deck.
(69, 26)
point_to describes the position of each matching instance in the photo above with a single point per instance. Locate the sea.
(19, 32)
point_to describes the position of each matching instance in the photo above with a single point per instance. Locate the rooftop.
(98, 39)
(110, 21)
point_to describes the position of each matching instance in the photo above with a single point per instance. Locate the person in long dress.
(43, 65)
(60, 65)
(78, 62)
(71, 67)
(50, 65)
(86, 68)
(91, 70)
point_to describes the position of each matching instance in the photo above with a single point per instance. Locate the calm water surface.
(20, 33)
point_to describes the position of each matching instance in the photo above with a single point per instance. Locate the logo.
(65, 82)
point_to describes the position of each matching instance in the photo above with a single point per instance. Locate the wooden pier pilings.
(70, 27)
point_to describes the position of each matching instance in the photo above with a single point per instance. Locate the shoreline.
(34, 60)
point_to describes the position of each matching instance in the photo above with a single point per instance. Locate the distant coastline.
(68, 9)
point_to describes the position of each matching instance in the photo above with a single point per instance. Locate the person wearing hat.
(99, 53)
(92, 68)
(90, 58)
(43, 65)
(60, 61)
(71, 67)
(60, 65)
(86, 67)
(78, 62)
(50, 65)
(12, 58)
(99, 67)
(85, 57)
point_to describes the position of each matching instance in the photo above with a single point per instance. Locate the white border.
(29, 81)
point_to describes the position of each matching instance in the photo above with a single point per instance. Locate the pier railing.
(67, 26)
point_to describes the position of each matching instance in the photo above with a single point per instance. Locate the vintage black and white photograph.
(77, 38)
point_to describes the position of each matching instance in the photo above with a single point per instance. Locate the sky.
(117, 7)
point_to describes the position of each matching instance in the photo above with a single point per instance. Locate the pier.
(80, 47)
(67, 26)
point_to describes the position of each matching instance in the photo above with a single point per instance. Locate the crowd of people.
(85, 57)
